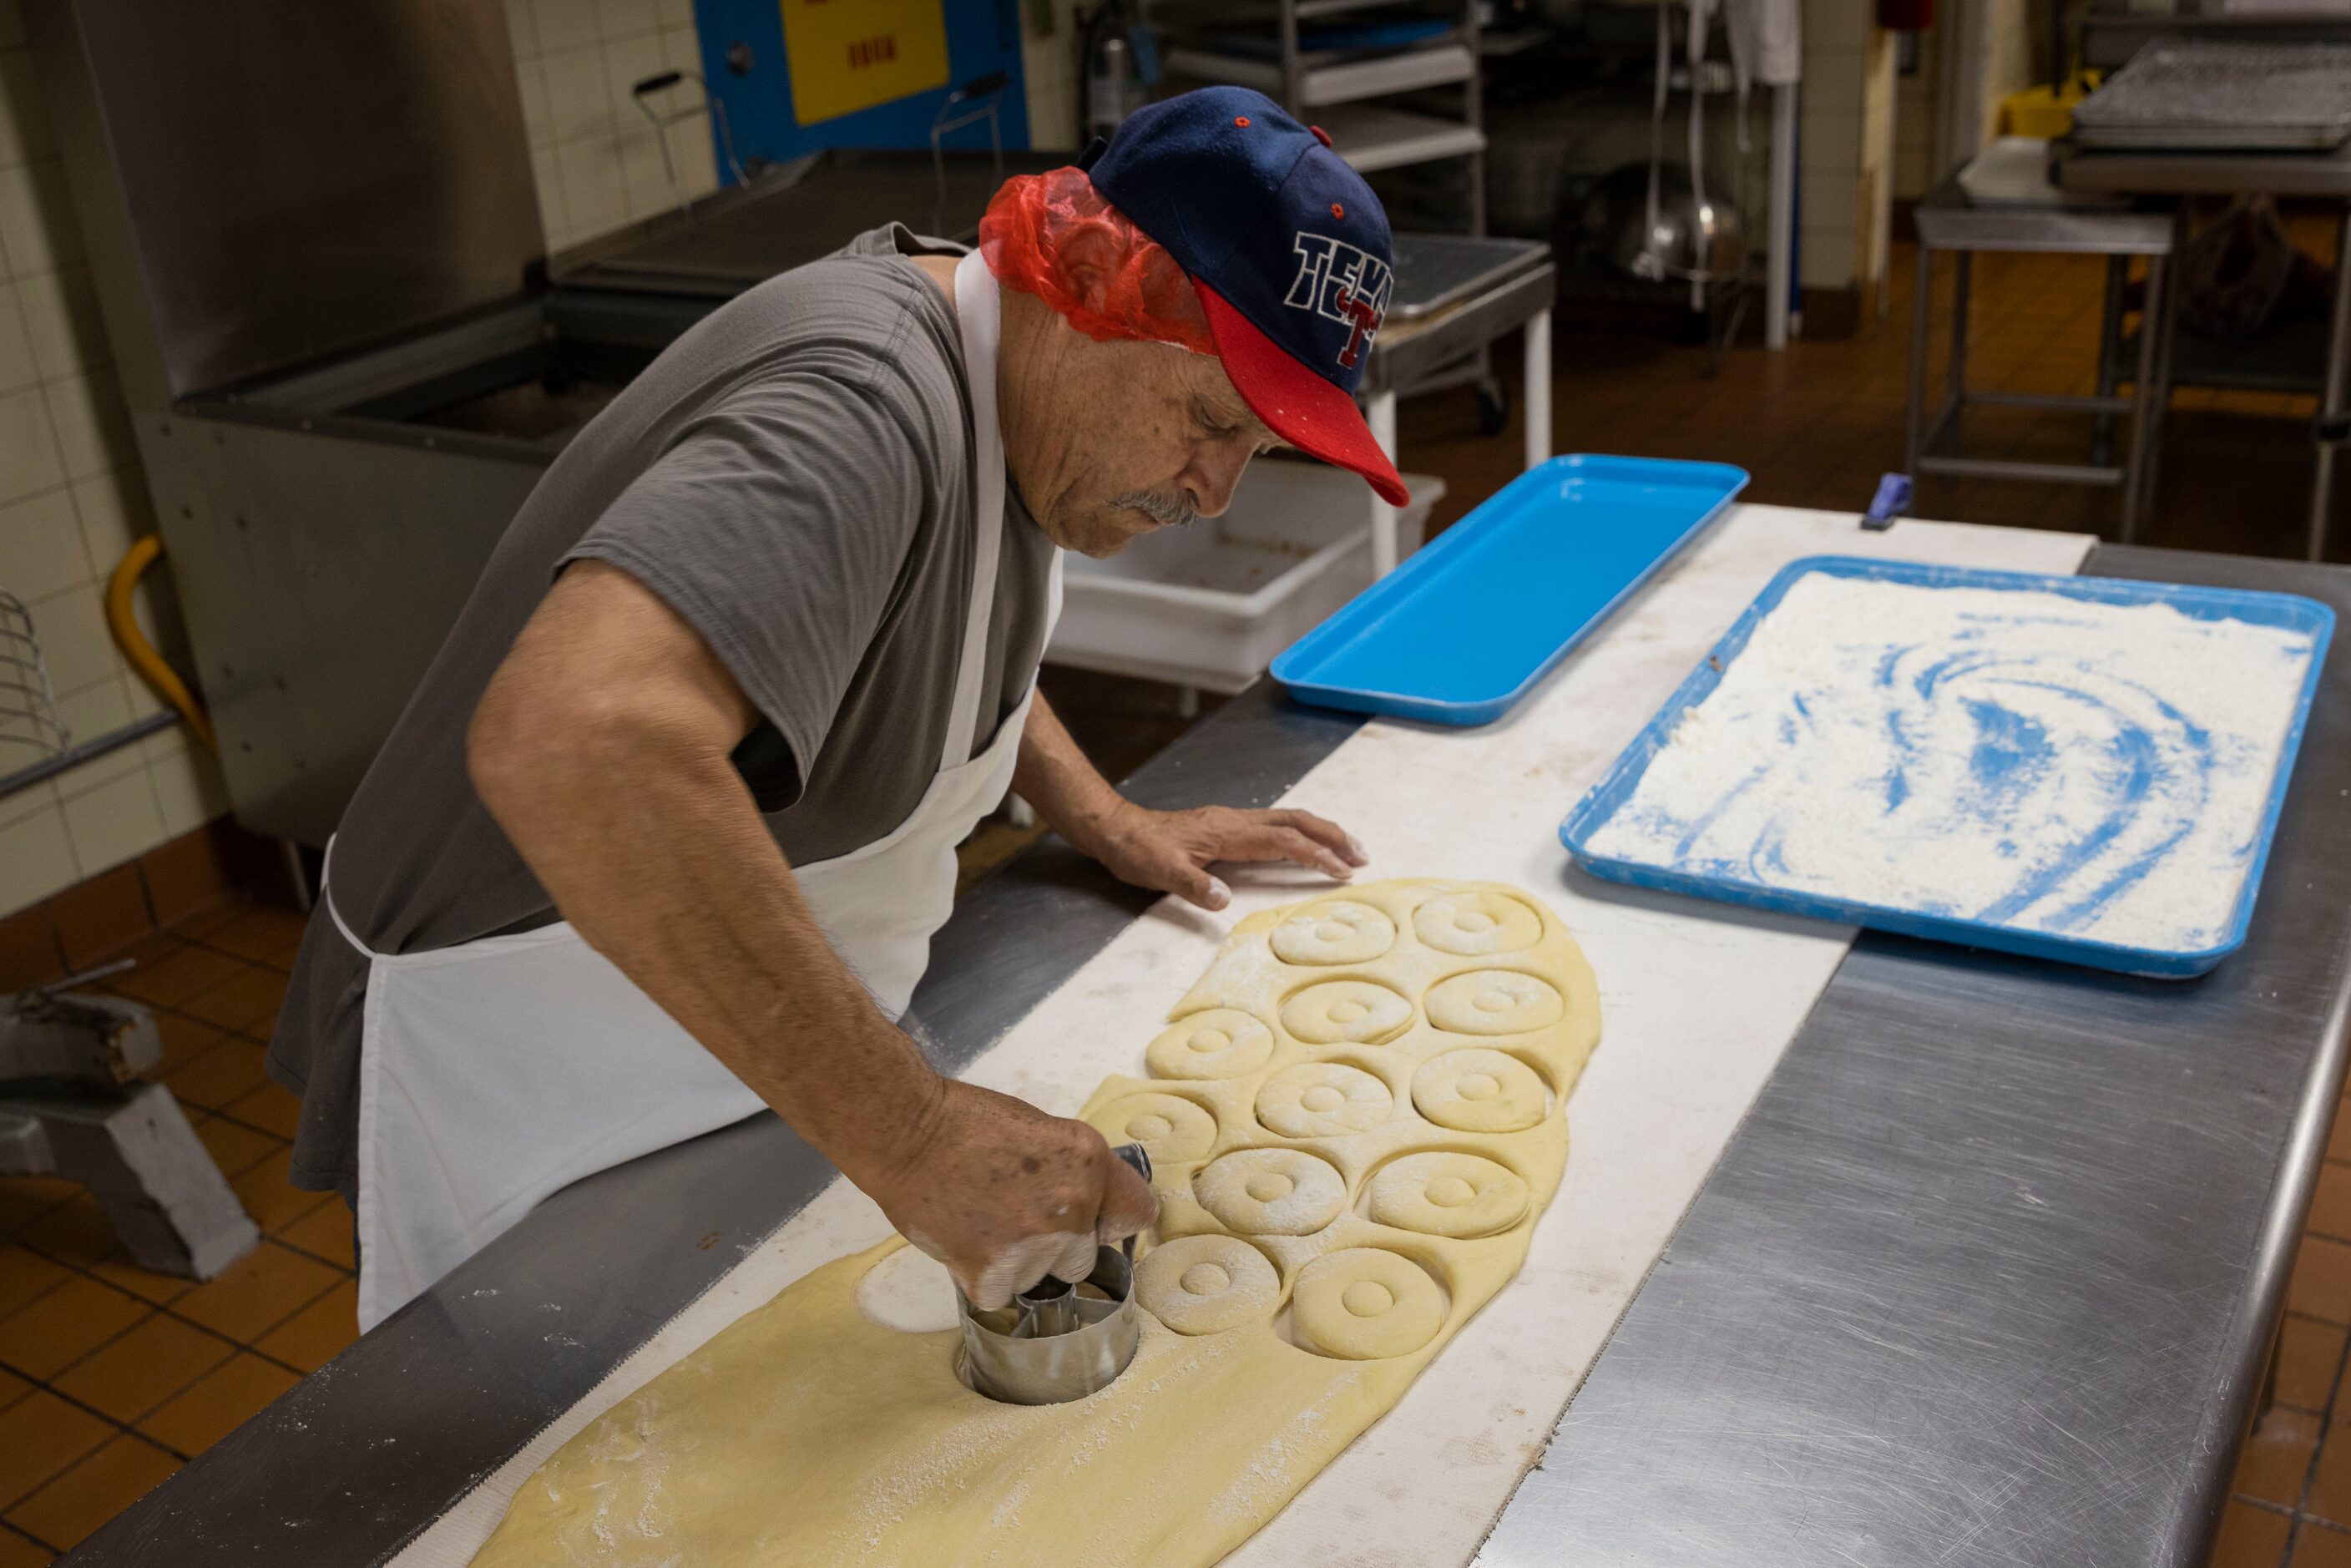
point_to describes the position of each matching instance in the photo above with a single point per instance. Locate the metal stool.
(1948, 221)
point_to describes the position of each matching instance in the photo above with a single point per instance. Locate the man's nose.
(1215, 474)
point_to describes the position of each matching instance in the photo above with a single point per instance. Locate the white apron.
(493, 1073)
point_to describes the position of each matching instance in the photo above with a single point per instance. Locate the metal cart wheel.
(1493, 406)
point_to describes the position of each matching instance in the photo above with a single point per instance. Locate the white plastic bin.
(1211, 605)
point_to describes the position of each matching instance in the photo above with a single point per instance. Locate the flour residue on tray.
(2026, 759)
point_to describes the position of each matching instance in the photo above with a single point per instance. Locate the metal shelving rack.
(1341, 89)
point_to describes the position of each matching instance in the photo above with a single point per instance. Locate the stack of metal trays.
(2197, 94)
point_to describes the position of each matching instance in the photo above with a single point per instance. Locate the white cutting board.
(1699, 1001)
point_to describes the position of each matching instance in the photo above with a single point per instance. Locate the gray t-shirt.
(793, 477)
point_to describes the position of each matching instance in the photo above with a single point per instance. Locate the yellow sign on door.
(848, 55)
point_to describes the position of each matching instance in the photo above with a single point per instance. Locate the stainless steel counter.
(1987, 1276)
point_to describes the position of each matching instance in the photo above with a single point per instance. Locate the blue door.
(895, 43)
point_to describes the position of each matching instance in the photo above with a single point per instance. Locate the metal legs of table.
(1535, 400)
(1928, 433)
(2110, 338)
(2333, 416)
(1380, 414)
(1534, 404)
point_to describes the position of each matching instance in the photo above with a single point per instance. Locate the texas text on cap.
(1287, 247)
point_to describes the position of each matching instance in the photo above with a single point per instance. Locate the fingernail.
(1219, 894)
(1355, 848)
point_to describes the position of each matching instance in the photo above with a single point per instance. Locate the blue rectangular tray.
(1460, 631)
(2286, 609)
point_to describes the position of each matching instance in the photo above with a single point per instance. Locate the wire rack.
(30, 728)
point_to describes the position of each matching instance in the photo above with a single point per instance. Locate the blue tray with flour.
(1460, 632)
(2001, 925)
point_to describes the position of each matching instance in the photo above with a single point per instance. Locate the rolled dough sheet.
(1312, 1278)
(1699, 1001)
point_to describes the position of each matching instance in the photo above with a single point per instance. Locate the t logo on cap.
(1337, 280)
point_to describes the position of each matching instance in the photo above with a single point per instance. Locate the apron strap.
(327, 897)
(978, 320)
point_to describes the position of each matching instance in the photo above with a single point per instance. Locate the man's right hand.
(1004, 1195)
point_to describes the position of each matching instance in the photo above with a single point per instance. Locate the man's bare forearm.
(1055, 777)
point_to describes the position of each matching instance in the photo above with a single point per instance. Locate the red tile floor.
(110, 1378)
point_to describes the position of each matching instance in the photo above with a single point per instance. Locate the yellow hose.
(140, 651)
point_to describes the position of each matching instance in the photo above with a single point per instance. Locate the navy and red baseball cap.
(1287, 247)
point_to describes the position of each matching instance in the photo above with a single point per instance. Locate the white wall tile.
(578, 99)
(676, 13)
(189, 792)
(37, 226)
(36, 859)
(98, 711)
(628, 62)
(522, 27)
(564, 23)
(594, 193)
(28, 448)
(38, 799)
(112, 821)
(40, 548)
(1827, 257)
(698, 161)
(23, 119)
(18, 369)
(642, 173)
(1833, 78)
(93, 430)
(75, 643)
(62, 323)
(1827, 201)
(112, 512)
(537, 119)
(1837, 25)
(188, 788)
(627, 18)
(682, 48)
(552, 218)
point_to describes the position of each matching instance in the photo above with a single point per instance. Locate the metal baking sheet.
(1433, 271)
(1461, 630)
(2281, 609)
(2201, 94)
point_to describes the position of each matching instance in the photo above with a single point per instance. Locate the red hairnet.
(1027, 238)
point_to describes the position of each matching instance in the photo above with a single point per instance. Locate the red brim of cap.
(1296, 405)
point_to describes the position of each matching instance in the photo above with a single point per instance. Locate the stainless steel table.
(2327, 174)
(1986, 1277)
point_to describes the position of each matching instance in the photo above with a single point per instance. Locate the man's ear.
(1088, 260)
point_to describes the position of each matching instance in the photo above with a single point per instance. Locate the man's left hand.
(1171, 850)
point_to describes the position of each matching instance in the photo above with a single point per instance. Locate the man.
(665, 832)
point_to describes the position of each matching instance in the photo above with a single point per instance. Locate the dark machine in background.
(348, 358)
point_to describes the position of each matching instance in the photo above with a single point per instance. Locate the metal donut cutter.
(1059, 1342)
